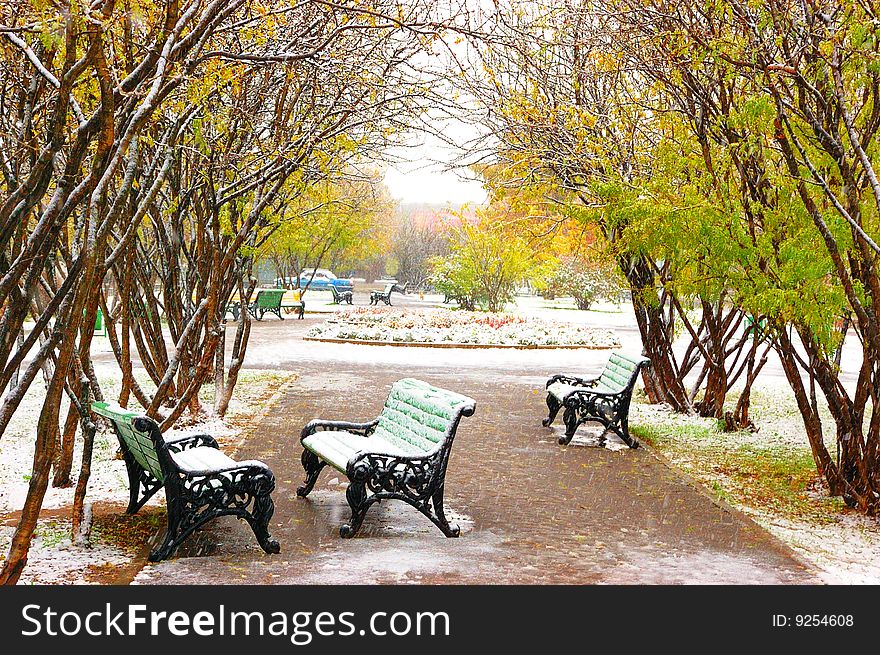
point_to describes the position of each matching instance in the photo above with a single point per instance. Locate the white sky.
(417, 173)
(415, 182)
(419, 169)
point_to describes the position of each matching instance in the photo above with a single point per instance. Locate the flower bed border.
(445, 344)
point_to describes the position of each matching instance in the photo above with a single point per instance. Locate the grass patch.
(52, 533)
(129, 532)
(780, 480)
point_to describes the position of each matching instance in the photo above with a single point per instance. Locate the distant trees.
(419, 237)
(485, 264)
(334, 222)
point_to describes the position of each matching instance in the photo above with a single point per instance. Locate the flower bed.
(466, 328)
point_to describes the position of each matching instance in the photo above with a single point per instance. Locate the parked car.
(320, 278)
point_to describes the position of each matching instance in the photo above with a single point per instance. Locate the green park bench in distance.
(267, 301)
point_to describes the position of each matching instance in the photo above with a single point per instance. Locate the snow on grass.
(771, 476)
(53, 560)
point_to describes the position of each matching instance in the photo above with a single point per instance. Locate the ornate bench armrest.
(318, 425)
(191, 441)
(587, 394)
(568, 379)
(413, 476)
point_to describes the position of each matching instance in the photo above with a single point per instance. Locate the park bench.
(266, 301)
(755, 327)
(604, 399)
(292, 301)
(341, 296)
(401, 455)
(384, 295)
(201, 483)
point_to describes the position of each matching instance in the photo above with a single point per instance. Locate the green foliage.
(707, 197)
(484, 267)
(455, 281)
(330, 223)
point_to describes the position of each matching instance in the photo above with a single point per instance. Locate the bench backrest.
(419, 416)
(621, 371)
(337, 294)
(270, 298)
(138, 442)
(389, 288)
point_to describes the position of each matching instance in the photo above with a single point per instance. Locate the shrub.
(584, 281)
(484, 267)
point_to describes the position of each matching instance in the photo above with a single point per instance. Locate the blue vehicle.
(318, 279)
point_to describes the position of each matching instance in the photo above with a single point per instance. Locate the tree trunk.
(44, 447)
(662, 382)
(79, 535)
(64, 456)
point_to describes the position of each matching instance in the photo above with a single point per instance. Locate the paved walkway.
(530, 510)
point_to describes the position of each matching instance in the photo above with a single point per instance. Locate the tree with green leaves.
(585, 281)
(724, 149)
(334, 222)
(564, 111)
(782, 114)
(485, 265)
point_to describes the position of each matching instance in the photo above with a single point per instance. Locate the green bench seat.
(200, 482)
(267, 301)
(402, 454)
(604, 399)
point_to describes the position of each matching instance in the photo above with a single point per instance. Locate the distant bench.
(604, 399)
(401, 455)
(382, 296)
(268, 301)
(385, 295)
(201, 483)
(341, 296)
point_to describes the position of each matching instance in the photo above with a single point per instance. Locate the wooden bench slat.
(338, 447)
(201, 459)
(407, 440)
(407, 411)
(140, 444)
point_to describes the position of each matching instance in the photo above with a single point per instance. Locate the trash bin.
(99, 324)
